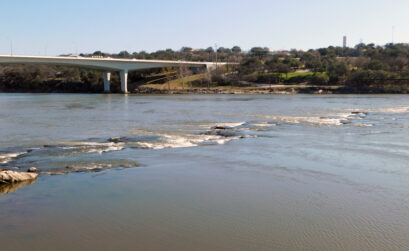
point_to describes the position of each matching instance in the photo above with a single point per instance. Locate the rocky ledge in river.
(10, 177)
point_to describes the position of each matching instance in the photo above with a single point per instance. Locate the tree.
(292, 62)
(251, 65)
(98, 53)
(124, 54)
(168, 75)
(223, 50)
(259, 52)
(186, 50)
(312, 60)
(183, 73)
(271, 64)
(236, 49)
(209, 50)
(283, 68)
(337, 71)
(374, 65)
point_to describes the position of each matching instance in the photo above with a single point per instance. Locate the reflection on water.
(299, 172)
(11, 188)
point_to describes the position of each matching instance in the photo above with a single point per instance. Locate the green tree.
(337, 71)
(251, 65)
(259, 52)
(236, 49)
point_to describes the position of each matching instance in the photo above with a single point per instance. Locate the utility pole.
(393, 34)
(11, 47)
(215, 50)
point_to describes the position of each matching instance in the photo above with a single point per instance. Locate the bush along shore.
(365, 68)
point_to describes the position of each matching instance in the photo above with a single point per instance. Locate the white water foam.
(215, 124)
(312, 120)
(183, 141)
(230, 125)
(7, 157)
(264, 124)
(397, 109)
(335, 119)
(93, 147)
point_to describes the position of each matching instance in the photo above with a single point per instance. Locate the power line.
(11, 47)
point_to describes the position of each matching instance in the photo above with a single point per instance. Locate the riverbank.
(262, 89)
(279, 89)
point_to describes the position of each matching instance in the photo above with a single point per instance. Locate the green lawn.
(290, 74)
(297, 74)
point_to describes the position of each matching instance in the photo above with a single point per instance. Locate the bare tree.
(183, 73)
(208, 76)
(168, 74)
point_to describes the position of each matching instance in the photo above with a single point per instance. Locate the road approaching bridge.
(107, 65)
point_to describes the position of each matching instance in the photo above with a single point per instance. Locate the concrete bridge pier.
(107, 82)
(124, 81)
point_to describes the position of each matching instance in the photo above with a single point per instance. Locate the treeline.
(364, 67)
(355, 67)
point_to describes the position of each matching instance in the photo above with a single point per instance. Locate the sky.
(54, 27)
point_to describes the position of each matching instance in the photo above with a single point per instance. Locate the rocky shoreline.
(282, 89)
(267, 90)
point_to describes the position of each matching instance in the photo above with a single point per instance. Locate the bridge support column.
(124, 81)
(107, 82)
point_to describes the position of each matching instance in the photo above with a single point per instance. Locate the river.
(206, 172)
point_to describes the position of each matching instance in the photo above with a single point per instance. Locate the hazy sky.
(54, 27)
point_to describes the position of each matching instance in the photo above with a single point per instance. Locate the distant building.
(344, 42)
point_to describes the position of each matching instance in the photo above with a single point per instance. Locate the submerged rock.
(223, 133)
(221, 128)
(117, 139)
(8, 177)
(226, 133)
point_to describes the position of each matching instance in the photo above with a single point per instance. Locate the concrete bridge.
(107, 65)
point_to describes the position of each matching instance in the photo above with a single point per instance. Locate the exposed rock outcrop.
(32, 170)
(9, 177)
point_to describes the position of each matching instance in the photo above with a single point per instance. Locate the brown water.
(281, 172)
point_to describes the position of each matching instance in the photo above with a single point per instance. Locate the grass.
(297, 74)
(289, 75)
(176, 84)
